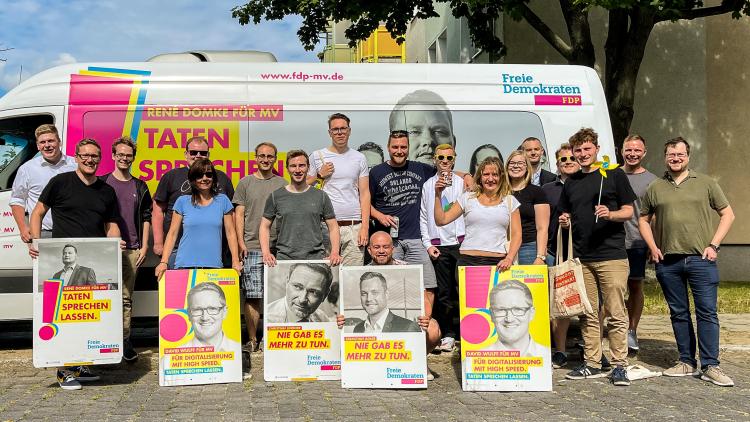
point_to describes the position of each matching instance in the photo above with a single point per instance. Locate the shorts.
(252, 275)
(637, 260)
(413, 252)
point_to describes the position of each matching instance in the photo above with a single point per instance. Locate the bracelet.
(163, 263)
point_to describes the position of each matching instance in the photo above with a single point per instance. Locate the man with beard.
(306, 288)
(684, 245)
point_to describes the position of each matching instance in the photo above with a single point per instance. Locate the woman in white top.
(489, 210)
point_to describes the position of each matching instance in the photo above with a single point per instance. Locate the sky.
(46, 33)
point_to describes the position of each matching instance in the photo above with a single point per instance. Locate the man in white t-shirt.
(343, 174)
(442, 243)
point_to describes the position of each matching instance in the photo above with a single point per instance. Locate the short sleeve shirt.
(202, 228)
(594, 240)
(683, 212)
(486, 226)
(175, 183)
(79, 210)
(397, 191)
(639, 182)
(252, 193)
(298, 217)
(529, 196)
(342, 186)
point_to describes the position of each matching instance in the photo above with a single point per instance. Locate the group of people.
(335, 207)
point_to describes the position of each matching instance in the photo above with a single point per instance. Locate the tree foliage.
(629, 28)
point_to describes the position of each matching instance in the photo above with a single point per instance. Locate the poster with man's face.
(199, 327)
(505, 337)
(77, 301)
(301, 337)
(383, 345)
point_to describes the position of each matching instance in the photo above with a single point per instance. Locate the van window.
(17, 144)
(476, 134)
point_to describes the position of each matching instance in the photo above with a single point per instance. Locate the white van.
(483, 109)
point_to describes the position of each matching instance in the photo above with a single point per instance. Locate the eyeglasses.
(517, 312)
(193, 153)
(566, 158)
(676, 155)
(92, 157)
(448, 158)
(519, 164)
(208, 174)
(124, 156)
(211, 310)
(265, 157)
(338, 130)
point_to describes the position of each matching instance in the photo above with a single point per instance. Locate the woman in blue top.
(201, 216)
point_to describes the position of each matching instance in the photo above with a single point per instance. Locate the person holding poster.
(298, 210)
(82, 206)
(512, 308)
(200, 217)
(534, 210)
(490, 214)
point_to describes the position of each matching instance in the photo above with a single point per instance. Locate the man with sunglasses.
(82, 206)
(442, 243)
(344, 176)
(134, 204)
(174, 184)
(249, 200)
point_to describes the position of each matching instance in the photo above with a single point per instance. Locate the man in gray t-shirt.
(298, 210)
(633, 152)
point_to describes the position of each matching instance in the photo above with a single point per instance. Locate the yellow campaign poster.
(199, 327)
(505, 336)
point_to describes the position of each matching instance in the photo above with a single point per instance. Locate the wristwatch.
(542, 257)
(716, 248)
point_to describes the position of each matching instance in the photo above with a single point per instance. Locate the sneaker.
(681, 369)
(446, 344)
(619, 376)
(715, 375)
(584, 372)
(67, 380)
(559, 360)
(128, 352)
(606, 366)
(84, 374)
(246, 365)
(430, 374)
(632, 341)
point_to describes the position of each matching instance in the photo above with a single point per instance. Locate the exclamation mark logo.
(51, 292)
(174, 326)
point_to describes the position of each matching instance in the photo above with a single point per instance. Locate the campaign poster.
(77, 302)
(199, 327)
(505, 337)
(382, 345)
(301, 338)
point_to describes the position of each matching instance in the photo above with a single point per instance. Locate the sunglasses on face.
(448, 158)
(193, 153)
(208, 174)
(566, 159)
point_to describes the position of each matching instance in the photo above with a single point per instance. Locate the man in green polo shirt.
(684, 246)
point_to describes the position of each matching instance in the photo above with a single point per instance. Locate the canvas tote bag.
(567, 289)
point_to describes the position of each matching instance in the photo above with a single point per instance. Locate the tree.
(2, 50)
(629, 28)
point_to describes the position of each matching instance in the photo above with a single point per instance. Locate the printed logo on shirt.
(401, 188)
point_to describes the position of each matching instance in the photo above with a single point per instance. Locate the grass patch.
(734, 298)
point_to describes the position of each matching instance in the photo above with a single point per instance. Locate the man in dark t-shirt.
(174, 184)
(597, 208)
(82, 206)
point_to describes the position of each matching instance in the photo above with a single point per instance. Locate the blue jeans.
(527, 253)
(675, 273)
